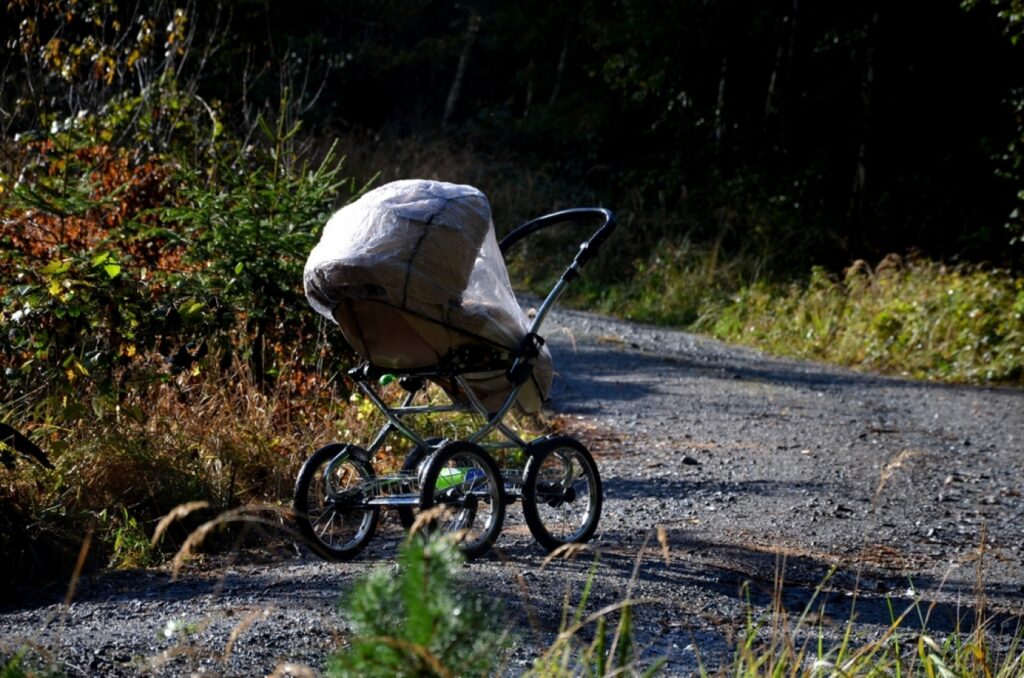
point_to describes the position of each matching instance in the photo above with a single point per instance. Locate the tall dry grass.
(213, 435)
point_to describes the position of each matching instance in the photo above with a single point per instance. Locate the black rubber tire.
(480, 514)
(547, 504)
(407, 514)
(318, 520)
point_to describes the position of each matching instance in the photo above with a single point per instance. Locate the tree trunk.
(460, 71)
(769, 103)
(782, 86)
(560, 69)
(529, 90)
(860, 175)
(785, 54)
(720, 108)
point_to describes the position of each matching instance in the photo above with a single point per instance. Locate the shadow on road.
(596, 372)
(677, 489)
(823, 591)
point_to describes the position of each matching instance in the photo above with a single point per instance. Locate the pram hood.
(411, 271)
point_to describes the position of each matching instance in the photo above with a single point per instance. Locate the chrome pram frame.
(338, 497)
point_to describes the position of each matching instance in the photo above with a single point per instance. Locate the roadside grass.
(775, 644)
(911, 317)
(421, 616)
(213, 436)
(216, 436)
(770, 643)
(424, 620)
(418, 634)
(916, 318)
(603, 642)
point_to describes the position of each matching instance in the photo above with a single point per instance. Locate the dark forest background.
(846, 130)
(838, 130)
(828, 131)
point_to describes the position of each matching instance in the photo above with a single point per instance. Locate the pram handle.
(589, 247)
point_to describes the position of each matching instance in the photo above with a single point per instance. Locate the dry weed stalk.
(240, 628)
(891, 467)
(177, 513)
(245, 514)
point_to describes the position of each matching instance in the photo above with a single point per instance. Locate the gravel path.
(758, 470)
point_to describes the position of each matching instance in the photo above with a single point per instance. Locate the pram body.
(415, 278)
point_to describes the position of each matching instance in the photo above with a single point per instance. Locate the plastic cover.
(411, 271)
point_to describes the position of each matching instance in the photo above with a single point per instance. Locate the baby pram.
(414, 276)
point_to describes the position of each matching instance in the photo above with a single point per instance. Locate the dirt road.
(757, 470)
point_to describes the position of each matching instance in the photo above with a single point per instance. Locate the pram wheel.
(331, 507)
(411, 465)
(561, 492)
(463, 478)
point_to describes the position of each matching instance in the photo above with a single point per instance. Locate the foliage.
(16, 667)
(917, 318)
(673, 284)
(1010, 12)
(126, 76)
(13, 668)
(97, 286)
(912, 316)
(424, 621)
(150, 272)
(1010, 159)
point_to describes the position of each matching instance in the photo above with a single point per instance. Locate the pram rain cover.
(411, 271)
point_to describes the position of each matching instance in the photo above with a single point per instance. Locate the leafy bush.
(150, 272)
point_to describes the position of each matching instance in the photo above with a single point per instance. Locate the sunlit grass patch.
(913, 317)
(919, 318)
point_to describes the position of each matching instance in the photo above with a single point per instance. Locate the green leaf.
(239, 267)
(100, 259)
(113, 270)
(56, 266)
(265, 127)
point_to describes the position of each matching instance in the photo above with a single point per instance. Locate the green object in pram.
(454, 476)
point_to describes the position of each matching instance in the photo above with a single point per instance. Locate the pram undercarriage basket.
(466, 334)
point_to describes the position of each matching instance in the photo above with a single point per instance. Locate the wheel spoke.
(328, 502)
(562, 493)
(464, 478)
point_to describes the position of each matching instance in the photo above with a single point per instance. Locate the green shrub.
(424, 621)
(916, 318)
